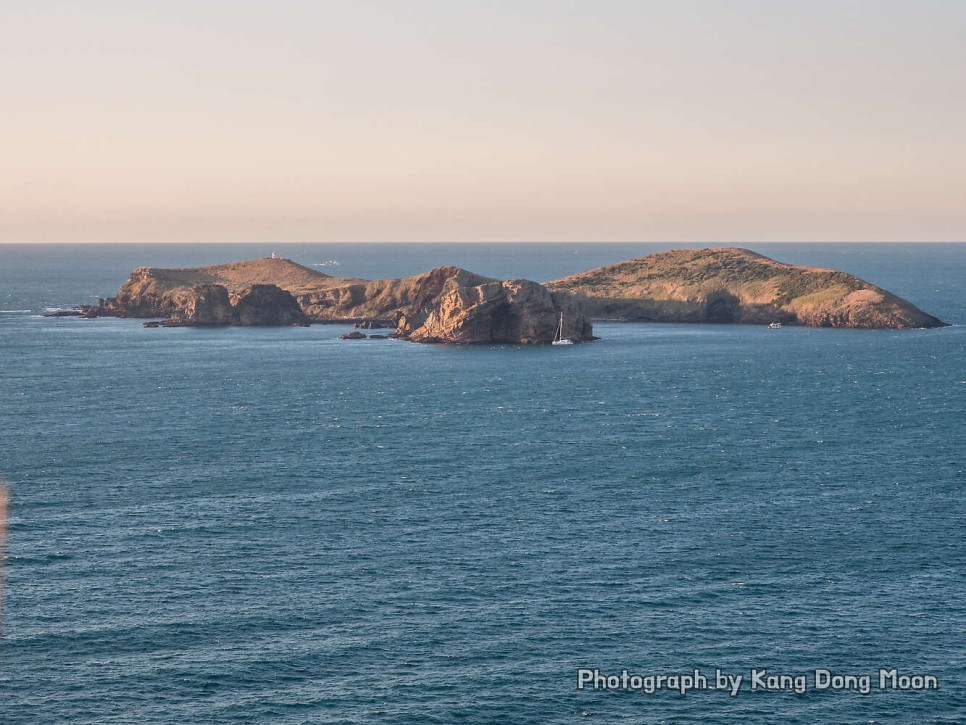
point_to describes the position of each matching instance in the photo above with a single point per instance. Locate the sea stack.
(515, 311)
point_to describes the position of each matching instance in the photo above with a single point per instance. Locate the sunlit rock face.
(515, 311)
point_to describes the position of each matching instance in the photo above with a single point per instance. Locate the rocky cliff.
(194, 300)
(736, 285)
(514, 311)
(267, 304)
(203, 304)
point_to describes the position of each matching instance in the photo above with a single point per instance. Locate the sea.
(270, 525)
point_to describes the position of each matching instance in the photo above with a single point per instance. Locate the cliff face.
(146, 294)
(266, 304)
(736, 285)
(514, 311)
(203, 304)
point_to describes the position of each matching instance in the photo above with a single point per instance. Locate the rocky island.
(736, 285)
(453, 305)
(189, 298)
(445, 304)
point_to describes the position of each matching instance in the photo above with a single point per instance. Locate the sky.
(447, 120)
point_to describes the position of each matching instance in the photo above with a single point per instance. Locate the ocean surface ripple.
(272, 525)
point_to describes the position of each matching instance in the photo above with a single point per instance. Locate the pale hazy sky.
(315, 120)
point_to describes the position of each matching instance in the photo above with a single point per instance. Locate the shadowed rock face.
(266, 304)
(514, 311)
(736, 285)
(204, 304)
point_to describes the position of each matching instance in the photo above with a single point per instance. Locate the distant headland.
(453, 305)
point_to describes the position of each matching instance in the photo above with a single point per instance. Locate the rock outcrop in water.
(737, 285)
(514, 311)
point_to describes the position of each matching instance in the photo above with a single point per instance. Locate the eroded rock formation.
(514, 311)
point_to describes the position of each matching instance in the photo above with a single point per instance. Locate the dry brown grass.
(237, 276)
(692, 278)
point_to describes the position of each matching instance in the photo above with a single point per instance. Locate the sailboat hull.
(558, 337)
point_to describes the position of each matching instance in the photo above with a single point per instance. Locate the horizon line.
(493, 241)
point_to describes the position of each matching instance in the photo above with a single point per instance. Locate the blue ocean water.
(271, 525)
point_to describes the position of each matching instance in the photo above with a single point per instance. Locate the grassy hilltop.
(736, 285)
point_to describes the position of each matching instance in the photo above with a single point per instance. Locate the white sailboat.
(558, 338)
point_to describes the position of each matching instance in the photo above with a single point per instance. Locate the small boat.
(558, 338)
(775, 326)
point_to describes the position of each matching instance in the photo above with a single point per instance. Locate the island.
(740, 286)
(452, 305)
(445, 304)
